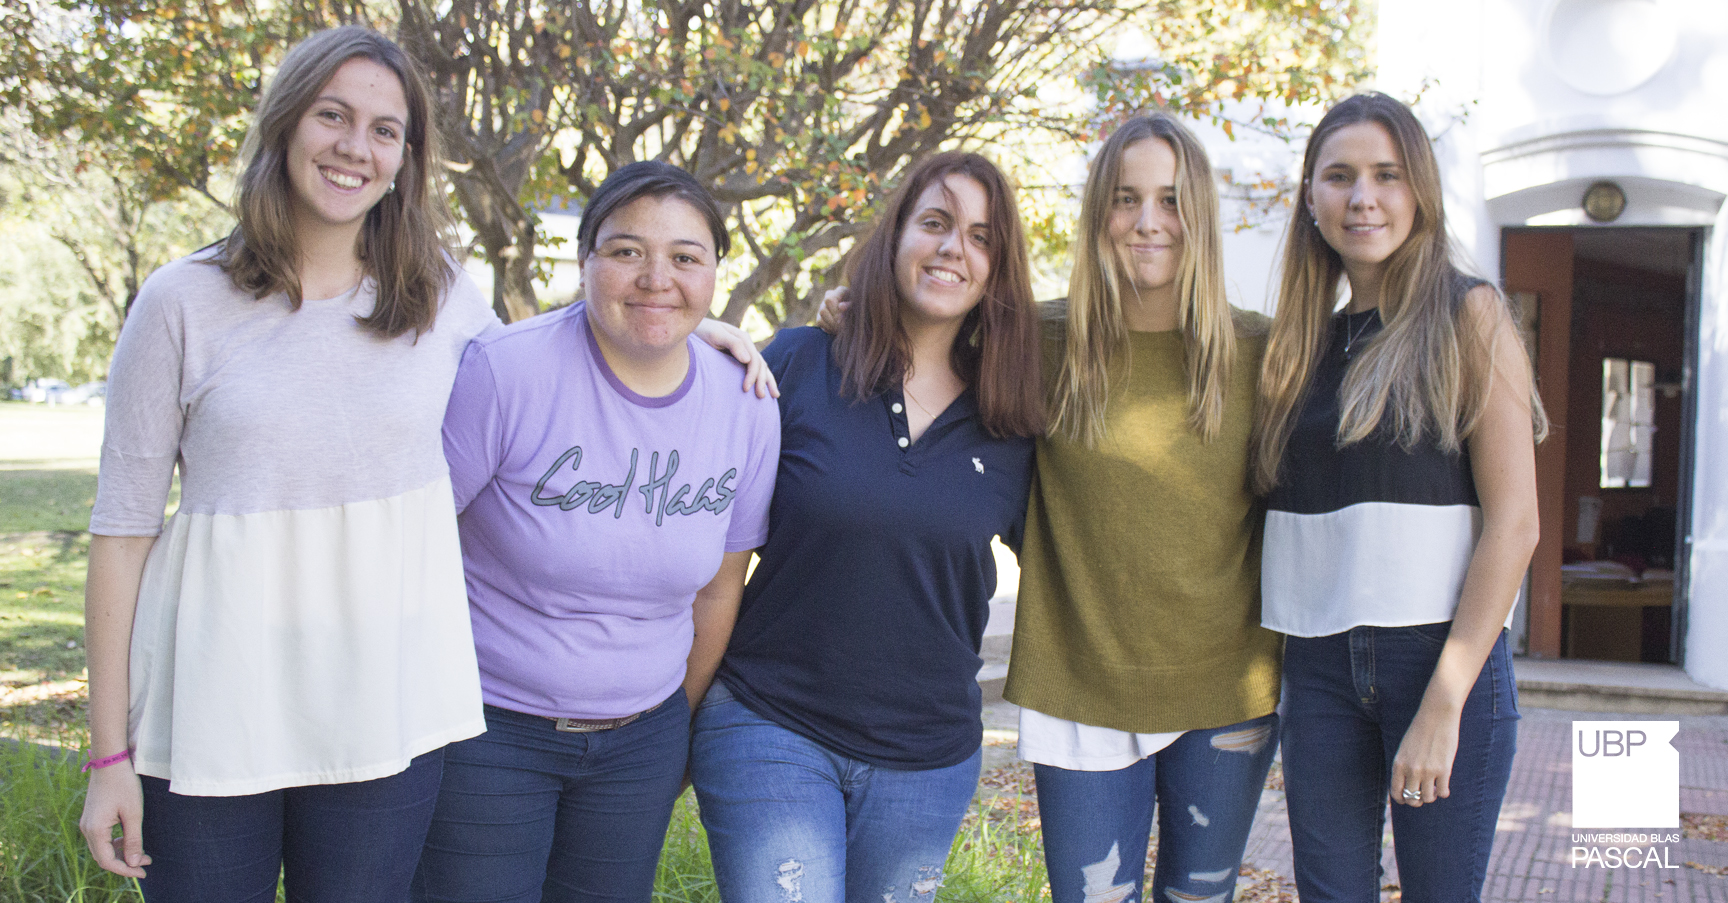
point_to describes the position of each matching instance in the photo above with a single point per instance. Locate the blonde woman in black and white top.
(1396, 441)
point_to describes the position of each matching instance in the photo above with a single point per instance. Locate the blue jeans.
(1206, 786)
(788, 819)
(531, 813)
(1348, 699)
(328, 843)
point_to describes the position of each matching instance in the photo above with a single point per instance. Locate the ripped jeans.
(790, 821)
(1206, 786)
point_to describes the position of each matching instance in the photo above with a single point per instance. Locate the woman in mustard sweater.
(1145, 680)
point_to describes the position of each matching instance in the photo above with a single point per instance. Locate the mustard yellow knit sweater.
(1139, 604)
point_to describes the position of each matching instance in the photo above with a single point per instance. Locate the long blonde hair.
(1096, 330)
(1426, 375)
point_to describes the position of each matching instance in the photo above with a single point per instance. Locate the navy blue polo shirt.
(860, 627)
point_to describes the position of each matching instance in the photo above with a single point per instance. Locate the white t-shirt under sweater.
(1049, 740)
(302, 618)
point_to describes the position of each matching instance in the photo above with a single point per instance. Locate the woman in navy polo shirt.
(839, 747)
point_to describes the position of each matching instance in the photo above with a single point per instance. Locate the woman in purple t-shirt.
(611, 482)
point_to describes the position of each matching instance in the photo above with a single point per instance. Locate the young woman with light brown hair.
(275, 673)
(1395, 440)
(1145, 681)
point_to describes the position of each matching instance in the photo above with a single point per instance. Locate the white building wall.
(1531, 101)
(1707, 616)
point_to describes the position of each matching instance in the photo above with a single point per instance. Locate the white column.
(1707, 611)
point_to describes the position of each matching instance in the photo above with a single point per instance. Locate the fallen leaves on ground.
(45, 708)
(1704, 827)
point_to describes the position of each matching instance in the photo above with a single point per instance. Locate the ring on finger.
(1409, 794)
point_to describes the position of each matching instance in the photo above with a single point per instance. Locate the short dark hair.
(648, 179)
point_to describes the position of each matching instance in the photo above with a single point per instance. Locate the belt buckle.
(588, 726)
(583, 726)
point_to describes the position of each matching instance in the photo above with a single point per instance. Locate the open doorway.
(1610, 313)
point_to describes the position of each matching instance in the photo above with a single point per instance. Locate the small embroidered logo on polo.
(978, 465)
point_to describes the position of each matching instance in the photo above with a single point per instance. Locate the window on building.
(1628, 422)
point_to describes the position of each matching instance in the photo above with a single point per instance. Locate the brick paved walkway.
(1531, 851)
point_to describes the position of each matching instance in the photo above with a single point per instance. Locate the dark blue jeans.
(329, 843)
(1348, 699)
(531, 813)
(1206, 787)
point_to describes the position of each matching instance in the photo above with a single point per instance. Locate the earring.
(392, 187)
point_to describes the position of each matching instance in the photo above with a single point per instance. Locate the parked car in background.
(58, 391)
(90, 393)
(38, 390)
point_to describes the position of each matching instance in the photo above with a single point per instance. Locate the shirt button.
(905, 441)
(896, 408)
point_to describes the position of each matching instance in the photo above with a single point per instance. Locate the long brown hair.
(996, 352)
(1097, 333)
(1426, 375)
(404, 241)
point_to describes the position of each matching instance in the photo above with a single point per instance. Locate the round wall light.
(1604, 202)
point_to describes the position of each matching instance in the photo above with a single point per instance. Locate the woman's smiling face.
(1360, 198)
(650, 278)
(943, 260)
(1145, 227)
(348, 147)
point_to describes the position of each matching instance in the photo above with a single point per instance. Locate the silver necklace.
(1350, 338)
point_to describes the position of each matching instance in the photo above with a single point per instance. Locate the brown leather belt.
(587, 725)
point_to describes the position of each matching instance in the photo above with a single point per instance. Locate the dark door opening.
(1611, 311)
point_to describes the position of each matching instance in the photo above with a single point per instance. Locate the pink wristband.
(106, 761)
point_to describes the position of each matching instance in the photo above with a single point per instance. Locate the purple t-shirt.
(590, 515)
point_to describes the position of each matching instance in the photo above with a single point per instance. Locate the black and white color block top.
(1370, 534)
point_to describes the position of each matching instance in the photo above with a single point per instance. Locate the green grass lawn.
(47, 485)
(41, 631)
(42, 596)
(32, 500)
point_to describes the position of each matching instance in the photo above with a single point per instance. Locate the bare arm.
(736, 342)
(110, 599)
(716, 610)
(1503, 463)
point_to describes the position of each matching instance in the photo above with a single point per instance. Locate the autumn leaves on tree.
(795, 112)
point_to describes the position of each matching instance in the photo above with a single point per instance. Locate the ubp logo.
(1625, 774)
